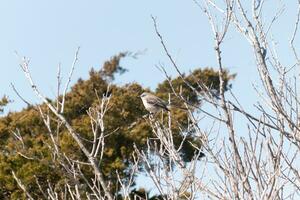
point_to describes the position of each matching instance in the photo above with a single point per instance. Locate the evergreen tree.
(32, 160)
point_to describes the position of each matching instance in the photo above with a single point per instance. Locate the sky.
(48, 32)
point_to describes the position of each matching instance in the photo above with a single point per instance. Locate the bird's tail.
(169, 107)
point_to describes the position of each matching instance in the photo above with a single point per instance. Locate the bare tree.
(98, 186)
(262, 165)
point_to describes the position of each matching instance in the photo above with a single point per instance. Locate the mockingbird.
(153, 104)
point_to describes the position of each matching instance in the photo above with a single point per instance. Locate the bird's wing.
(157, 102)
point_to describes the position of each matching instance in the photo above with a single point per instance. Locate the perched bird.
(153, 104)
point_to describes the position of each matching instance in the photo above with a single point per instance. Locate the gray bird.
(153, 104)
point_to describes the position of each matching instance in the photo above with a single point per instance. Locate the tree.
(261, 164)
(3, 102)
(109, 121)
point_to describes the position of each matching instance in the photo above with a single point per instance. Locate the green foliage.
(3, 102)
(207, 77)
(33, 161)
(111, 67)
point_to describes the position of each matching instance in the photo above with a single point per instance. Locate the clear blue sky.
(48, 32)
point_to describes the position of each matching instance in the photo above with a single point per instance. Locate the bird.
(153, 104)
